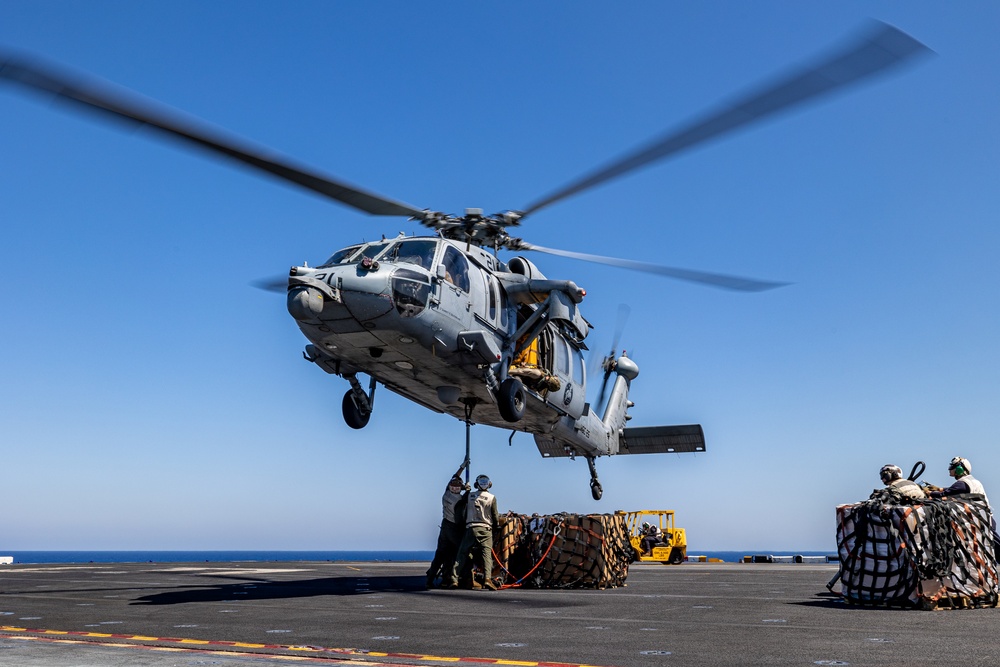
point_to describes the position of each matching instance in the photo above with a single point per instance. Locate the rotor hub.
(488, 231)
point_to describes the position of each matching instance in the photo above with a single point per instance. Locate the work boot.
(489, 585)
(450, 585)
(430, 581)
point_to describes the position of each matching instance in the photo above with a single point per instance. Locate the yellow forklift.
(668, 546)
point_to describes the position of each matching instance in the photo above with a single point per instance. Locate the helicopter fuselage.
(442, 324)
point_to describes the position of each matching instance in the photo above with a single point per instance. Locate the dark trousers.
(477, 545)
(449, 539)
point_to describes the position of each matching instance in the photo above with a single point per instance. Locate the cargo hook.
(470, 403)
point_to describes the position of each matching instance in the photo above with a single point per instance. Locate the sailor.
(450, 536)
(892, 477)
(481, 517)
(961, 469)
(651, 537)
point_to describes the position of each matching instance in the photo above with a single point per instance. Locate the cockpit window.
(341, 256)
(372, 251)
(410, 291)
(417, 251)
(456, 268)
(351, 254)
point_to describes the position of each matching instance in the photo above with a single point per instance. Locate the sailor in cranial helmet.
(481, 518)
(961, 470)
(451, 533)
(892, 477)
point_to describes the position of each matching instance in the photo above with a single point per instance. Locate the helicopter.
(441, 319)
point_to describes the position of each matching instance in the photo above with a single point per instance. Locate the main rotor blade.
(121, 106)
(723, 281)
(882, 48)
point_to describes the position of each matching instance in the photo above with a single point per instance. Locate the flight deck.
(379, 613)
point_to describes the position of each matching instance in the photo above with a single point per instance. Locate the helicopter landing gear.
(355, 417)
(511, 399)
(595, 487)
(357, 405)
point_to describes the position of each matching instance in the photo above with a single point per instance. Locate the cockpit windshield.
(371, 251)
(411, 251)
(341, 256)
(416, 251)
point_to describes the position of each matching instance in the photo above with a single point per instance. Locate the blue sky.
(152, 399)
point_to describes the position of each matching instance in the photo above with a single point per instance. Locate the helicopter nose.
(305, 303)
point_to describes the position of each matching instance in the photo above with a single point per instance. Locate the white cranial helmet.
(889, 473)
(959, 461)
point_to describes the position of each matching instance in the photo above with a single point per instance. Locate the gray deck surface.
(692, 614)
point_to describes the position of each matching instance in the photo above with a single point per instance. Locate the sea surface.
(265, 556)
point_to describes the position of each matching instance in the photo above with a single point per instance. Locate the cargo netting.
(563, 551)
(931, 554)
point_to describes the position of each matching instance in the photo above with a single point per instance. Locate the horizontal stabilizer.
(662, 439)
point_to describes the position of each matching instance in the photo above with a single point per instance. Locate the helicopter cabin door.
(454, 286)
(568, 366)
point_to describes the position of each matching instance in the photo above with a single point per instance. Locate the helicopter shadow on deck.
(250, 589)
(247, 590)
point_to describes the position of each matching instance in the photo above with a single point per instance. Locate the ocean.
(265, 556)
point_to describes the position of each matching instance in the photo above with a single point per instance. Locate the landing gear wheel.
(353, 415)
(511, 399)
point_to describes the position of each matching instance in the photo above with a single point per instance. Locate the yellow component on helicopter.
(666, 544)
(527, 366)
(529, 356)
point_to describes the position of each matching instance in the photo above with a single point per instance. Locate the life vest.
(908, 488)
(479, 511)
(975, 486)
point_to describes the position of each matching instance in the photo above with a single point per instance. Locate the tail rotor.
(608, 363)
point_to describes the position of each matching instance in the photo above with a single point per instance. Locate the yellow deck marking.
(439, 657)
(220, 651)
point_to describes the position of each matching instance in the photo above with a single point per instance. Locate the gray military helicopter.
(441, 319)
